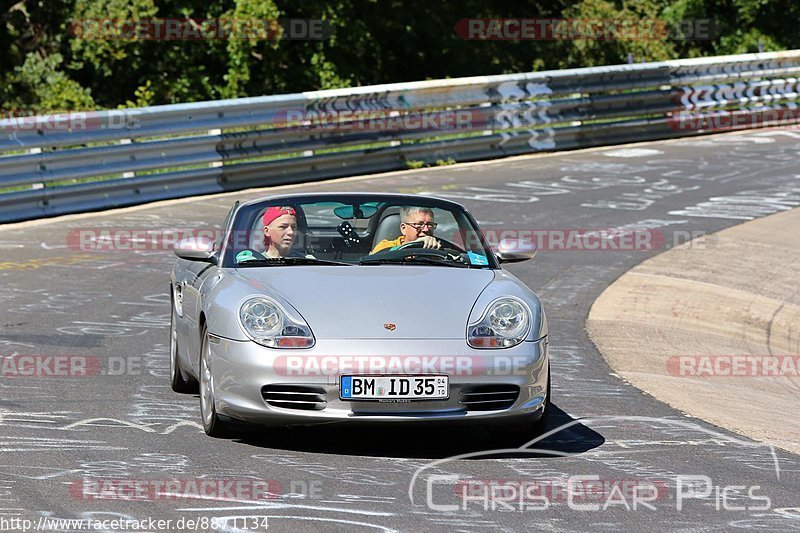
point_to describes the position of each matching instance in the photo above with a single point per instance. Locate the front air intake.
(489, 397)
(305, 397)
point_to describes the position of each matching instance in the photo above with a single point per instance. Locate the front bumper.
(240, 370)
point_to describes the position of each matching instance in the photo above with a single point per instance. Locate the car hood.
(365, 301)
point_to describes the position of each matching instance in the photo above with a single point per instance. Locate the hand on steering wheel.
(420, 243)
(426, 241)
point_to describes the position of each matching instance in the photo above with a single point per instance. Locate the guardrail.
(87, 161)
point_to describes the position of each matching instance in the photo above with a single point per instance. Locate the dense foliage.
(45, 65)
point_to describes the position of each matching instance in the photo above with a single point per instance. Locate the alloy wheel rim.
(206, 396)
(173, 347)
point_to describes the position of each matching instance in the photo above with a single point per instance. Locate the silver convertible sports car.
(384, 308)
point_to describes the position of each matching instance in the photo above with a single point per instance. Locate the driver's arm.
(386, 243)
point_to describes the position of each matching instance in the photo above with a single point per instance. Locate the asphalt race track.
(67, 442)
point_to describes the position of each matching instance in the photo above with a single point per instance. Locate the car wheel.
(178, 383)
(212, 424)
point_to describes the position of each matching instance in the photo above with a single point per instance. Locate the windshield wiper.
(285, 261)
(428, 260)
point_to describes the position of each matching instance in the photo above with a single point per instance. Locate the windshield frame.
(244, 216)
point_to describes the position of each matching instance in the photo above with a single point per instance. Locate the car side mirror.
(196, 249)
(515, 250)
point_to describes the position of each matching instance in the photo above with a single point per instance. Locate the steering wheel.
(419, 244)
(416, 248)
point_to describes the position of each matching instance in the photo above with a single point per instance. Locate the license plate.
(394, 387)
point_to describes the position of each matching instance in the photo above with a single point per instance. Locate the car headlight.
(268, 324)
(504, 324)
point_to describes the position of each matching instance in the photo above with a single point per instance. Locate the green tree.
(242, 52)
(47, 62)
(48, 87)
(34, 75)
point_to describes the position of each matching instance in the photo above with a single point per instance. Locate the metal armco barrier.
(88, 161)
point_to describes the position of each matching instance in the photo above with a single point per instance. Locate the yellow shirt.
(386, 243)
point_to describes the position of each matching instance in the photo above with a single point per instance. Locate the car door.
(195, 275)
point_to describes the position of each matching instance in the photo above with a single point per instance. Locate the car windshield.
(350, 230)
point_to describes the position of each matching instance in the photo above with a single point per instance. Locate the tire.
(177, 382)
(212, 424)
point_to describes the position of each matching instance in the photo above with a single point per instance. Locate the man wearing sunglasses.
(416, 225)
